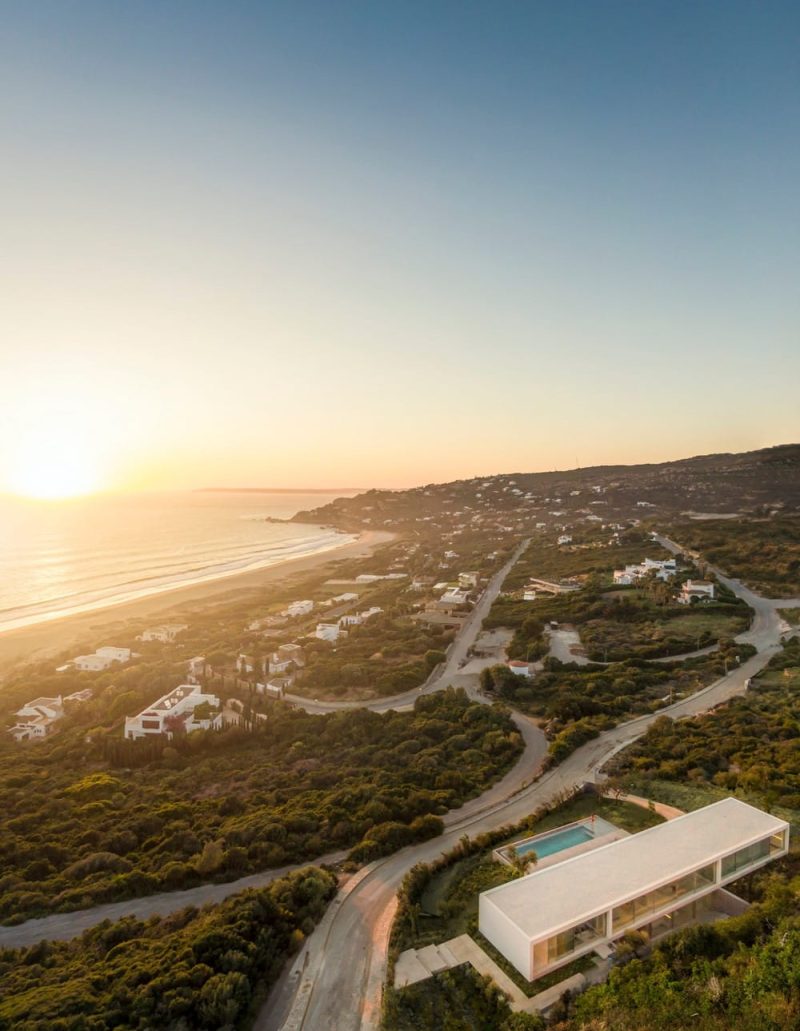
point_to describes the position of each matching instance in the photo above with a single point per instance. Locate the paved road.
(457, 654)
(335, 983)
(63, 926)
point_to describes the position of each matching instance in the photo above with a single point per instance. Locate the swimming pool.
(552, 842)
(549, 844)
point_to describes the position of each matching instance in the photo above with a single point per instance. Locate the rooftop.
(563, 895)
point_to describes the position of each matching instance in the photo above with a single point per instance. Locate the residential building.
(291, 651)
(249, 664)
(102, 659)
(696, 590)
(564, 538)
(453, 598)
(467, 580)
(36, 718)
(196, 668)
(166, 633)
(655, 881)
(529, 594)
(176, 713)
(553, 587)
(663, 569)
(522, 669)
(328, 631)
(300, 608)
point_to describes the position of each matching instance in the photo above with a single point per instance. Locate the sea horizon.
(92, 553)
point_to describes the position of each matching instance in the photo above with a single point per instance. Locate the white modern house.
(166, 633)
(468, 580)
(696, 590)
(655, 881)
(357, 618)
(175, 713)
(300, 608)
(36, 718)
(102, 659)
(565, 538)
(328, 631)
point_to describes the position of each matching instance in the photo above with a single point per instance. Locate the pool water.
(556, 842)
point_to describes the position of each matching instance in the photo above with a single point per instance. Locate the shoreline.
(190, 578)
(36, 641)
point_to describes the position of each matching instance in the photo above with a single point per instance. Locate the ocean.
(59, 558)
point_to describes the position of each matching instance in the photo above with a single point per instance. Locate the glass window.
(573, 939)
(659, 898)
(745, 857)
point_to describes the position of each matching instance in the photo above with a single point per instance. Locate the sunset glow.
(52, 466)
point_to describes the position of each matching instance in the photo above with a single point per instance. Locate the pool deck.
(612, 833)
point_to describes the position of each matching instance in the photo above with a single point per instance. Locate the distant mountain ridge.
(747, 483)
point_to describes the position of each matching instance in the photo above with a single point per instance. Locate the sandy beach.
(43, 639)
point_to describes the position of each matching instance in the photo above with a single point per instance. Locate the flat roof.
(566, 893)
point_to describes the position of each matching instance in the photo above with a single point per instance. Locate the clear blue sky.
(392, 242)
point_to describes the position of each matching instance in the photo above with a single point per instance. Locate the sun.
(51, 466)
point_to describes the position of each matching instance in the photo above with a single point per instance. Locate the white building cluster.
(662, 568)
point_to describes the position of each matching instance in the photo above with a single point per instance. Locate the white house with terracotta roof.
(522, 669)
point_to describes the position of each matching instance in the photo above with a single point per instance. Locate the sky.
(391, 243)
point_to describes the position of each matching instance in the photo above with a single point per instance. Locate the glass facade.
(745, 857)
(661, 898)
(553, 949)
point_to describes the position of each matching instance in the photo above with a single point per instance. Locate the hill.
(752, 483)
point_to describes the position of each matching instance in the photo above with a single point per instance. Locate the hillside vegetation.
(83, 825)
(202, 970)
(764, 553)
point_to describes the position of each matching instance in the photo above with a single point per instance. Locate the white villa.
(300, 608)
(357, 618)
(468, 580)
(655, 881)
(663, 569)
(102, 659)
(36, 718)
(455, 596)
(697, 590)
(166, 633)
(328, 631)
(175, 713)
(565, 538)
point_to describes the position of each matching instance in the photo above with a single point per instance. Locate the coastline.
(38, 640)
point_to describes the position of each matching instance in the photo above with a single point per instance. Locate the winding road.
(456, 655)
(336, 980)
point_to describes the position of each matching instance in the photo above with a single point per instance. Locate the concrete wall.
(505, 936)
